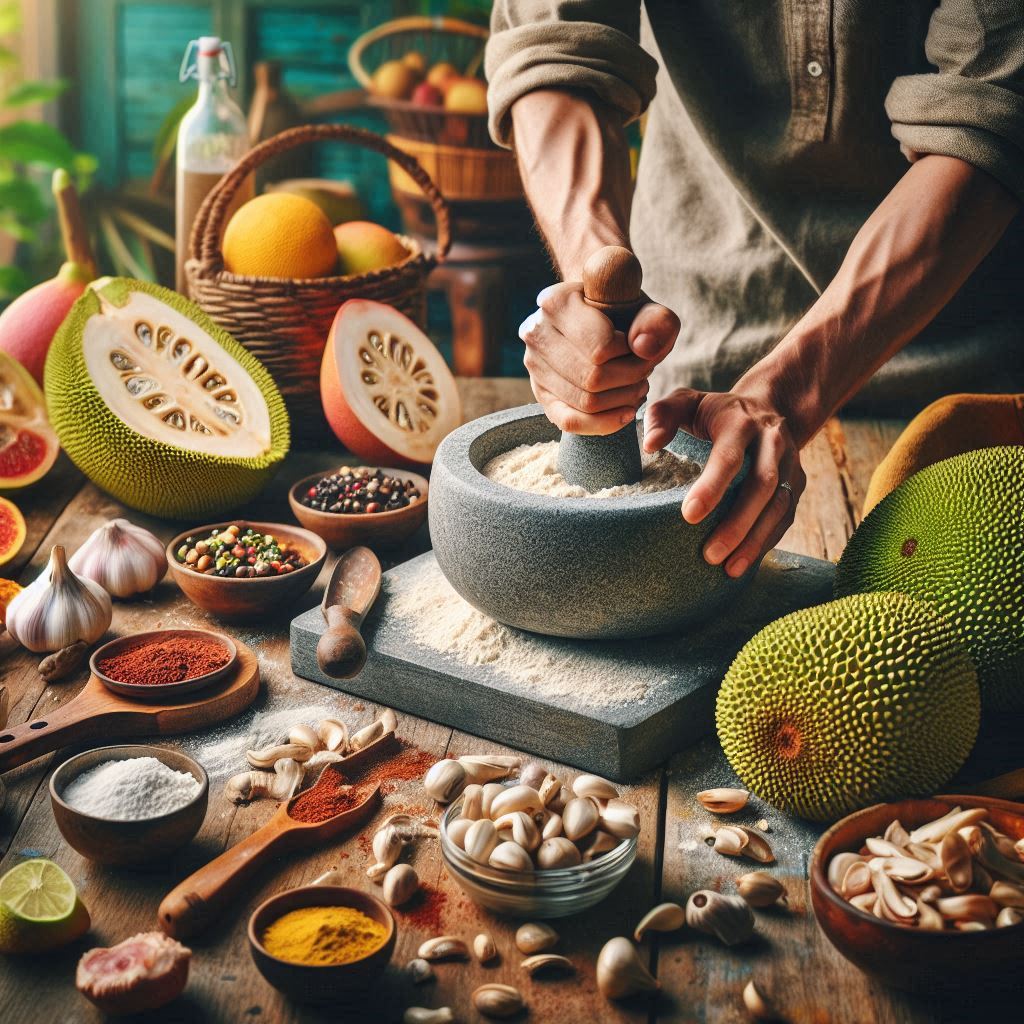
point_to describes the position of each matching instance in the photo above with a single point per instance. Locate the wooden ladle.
(194, 904)
(611, 283)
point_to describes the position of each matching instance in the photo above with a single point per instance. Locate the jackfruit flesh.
(159, 406)
(953, 534)
(864, 699)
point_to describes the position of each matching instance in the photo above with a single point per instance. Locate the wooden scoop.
(348, 596)
(611, 283)
(194, 904)
(100, 715)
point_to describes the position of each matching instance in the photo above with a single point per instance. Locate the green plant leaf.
(13, 281)
(34, 92)
(34, 143)
(23, 199)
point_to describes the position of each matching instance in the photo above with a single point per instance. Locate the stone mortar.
(574, 567)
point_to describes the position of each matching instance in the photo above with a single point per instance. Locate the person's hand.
(590, 378)
(735, 424)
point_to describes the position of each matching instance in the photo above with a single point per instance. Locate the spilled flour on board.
(572, 671)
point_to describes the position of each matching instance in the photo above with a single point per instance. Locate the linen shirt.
(775, 128)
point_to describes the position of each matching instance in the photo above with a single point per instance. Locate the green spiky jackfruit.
(159, 406)
(860, 700)
(953, 534)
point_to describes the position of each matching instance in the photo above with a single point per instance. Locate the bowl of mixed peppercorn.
(379, 507)
(245, 570)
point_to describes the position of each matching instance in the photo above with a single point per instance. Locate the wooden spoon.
(194, 904)
(348, 596)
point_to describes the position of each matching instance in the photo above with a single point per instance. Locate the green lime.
(39, 908)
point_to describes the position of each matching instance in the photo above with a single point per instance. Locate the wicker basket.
(285, 323)
(454, 148)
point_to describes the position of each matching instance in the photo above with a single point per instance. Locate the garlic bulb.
(124, 559)
(58, 609)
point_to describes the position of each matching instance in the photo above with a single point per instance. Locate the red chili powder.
(425, 909)
(170, 660)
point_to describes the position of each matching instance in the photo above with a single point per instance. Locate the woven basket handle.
(204, 242)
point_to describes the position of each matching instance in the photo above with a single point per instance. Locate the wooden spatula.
(195, 903)
(348, 596)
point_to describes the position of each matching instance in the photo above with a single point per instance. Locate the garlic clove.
(248, 786)
(124, 559)
(535, 937)
(857, 880)
(906, 869)
(729, 841)
(443, 947)
(444, 781)
(957, 862)
(552, 827)
(481, 840)
(333, 734)
(58, 609)
(971, 907)
(388, 721)
(1007, 894)
(580, 818)
(305, 736)
(896, 834)
(894, 906)
(490, 791)
(494, 1000)
(516, 798)
(838, 866)
(419, 971)
(510, 857)
(595, 787)
(620, 972)
(760, 889)
(620, 819)
(533, 775)
(481, 768)
(524, 830)
(757, 1005)
(288, 775)
(472, 802)
(547, 963)
(665, 917)
(484, 949)
(268, 756)
(597, 844)
(937, 830)
(928, 918)
(367, 735)
(723, 800)
(883, 848)
(558, 852)
(400, 884)
(742, 841)
(457, 831)
(727, 917)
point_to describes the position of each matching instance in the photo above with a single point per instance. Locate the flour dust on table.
(534, 468)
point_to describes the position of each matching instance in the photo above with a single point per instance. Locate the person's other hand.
(590, 378)
(766, 501)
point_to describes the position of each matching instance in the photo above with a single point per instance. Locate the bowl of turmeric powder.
(318, 941)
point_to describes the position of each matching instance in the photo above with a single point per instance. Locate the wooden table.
(701, 979)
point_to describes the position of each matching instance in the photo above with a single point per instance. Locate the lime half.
(38, 890)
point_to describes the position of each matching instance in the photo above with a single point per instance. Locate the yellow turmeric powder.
(323, 936)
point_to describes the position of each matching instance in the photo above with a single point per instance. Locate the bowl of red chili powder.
(164, 663)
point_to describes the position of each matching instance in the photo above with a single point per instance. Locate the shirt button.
(814, 69)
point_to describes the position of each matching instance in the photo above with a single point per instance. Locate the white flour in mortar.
(570, 671)
(534, 468)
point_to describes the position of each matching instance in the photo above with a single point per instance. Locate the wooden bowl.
(121, 843)
(898, 955)
(165, 691)
(234, 599)
(377, 530)
(319, 984)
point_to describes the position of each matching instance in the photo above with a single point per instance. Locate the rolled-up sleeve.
(590, 45)
(973, 107)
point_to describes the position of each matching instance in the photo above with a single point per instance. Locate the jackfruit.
(953, 534)
(860, 700)
(159, 406)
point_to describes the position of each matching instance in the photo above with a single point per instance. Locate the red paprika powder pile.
(331, 795)
(172, 659)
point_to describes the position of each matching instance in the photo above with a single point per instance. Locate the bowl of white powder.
(132, 804)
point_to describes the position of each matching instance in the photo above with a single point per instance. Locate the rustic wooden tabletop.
(701, 980)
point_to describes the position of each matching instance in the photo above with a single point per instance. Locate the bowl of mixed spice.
(376, 506)
(243, 569)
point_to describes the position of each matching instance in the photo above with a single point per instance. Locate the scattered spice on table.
(360, 489)
(131, 789)
(240, 551)
(170, 659)
(425, 910)
(323, 936)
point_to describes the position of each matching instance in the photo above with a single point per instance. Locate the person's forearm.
(907, 261)
(574, 162)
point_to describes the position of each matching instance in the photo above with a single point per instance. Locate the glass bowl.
(558, 892)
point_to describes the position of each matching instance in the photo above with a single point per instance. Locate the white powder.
(571, 671)
(534, 468)
(130, 790)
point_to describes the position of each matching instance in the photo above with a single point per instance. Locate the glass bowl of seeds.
(373, 505)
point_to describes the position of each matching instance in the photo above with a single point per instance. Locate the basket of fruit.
(423, 75)
(275, 276)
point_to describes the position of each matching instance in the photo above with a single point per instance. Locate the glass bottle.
(212, 137)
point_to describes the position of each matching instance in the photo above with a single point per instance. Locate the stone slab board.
(620, 741)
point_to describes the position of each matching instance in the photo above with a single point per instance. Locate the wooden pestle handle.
(193, 905)
(341, 651)
(611, 283)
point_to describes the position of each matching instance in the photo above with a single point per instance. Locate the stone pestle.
(611, 283)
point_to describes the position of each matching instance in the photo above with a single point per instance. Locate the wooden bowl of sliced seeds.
(926, 894)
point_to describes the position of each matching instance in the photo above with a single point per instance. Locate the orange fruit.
(280, 235)
(364, 246)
